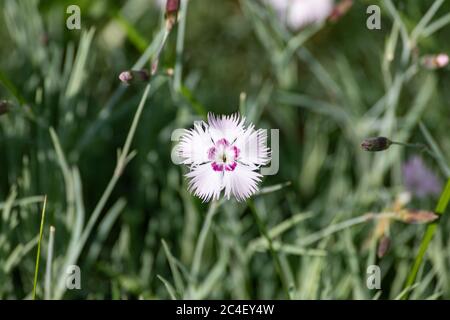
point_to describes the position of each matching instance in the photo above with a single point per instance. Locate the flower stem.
(124, 157)
(177, 82)
(410, 145)
(122, 161)
(276, 259)
(49, 267)
(41, 231)
(328, 231)
(202, 238)
(429, 233)
(421, 146)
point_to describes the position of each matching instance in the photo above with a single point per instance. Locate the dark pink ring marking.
(212, 152)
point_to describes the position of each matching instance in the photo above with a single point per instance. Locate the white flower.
(223, 154)
(299, 13)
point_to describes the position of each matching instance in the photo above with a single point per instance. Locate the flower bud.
(417, 216)
(170, 72)
(172, 7)
(383, 246)
(376, 144)
(134, 76)
(442, 60)
(435, 61)
(4, 107)
(340, 10)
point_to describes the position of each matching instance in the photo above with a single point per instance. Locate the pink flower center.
(223, 156)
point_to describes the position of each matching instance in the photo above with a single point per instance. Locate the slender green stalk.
(434, 151)
(124, 157)
(202, 238)
(314, 237)
(410, 145)
(422, 147)
(23, 202)
(49, 266)
(276, 259)
(155, 62)
(406, 53)
(178, 72)
(436, 25)
(174, 269)
(418, 30)
(429, 233)
(107, 111)
(41, 232)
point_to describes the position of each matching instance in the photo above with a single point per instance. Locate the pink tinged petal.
(225, 127)
(236, 152)
(223, 143)
(204, 182)
(212, 153)
(125, 77)
(252, 146)
(231, 167)
(242, 183)
(195, 145)
(442, 60)
(217, 166)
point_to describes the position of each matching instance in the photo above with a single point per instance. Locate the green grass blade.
(429, 233)
(265, 233)
(49, 265)
(41, 232)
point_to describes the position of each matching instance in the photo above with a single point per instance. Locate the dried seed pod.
(416, 216)
(383, 246)
(376, 144)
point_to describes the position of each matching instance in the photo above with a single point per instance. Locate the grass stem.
(196, 261)
(429, 233)
(276, 259)
(41, 232)
(49, 266)
(178, 72)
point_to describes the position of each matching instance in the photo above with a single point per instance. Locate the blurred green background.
(325, 88)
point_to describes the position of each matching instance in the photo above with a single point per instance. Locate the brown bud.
(340, 10)
(172, 6)
(416, 216)
(4, 107)
(134, 76)
(376, 144)
(383, 246)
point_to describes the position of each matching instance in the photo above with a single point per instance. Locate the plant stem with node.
(124, 157)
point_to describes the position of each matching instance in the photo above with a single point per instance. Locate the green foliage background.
(326, 88)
